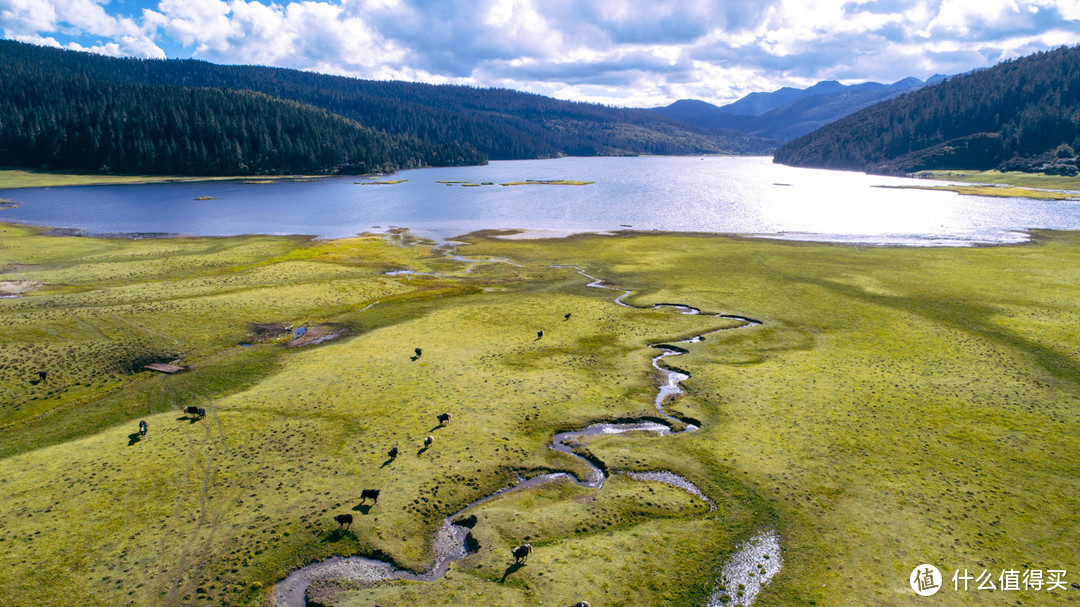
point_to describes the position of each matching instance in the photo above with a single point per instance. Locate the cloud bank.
(620, 52)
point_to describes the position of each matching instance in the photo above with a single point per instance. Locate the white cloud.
(27, 17)
(643, 52)
(960, 15)
(33, 20)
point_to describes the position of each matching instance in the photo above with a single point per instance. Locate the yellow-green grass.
(21, 178)
(549, 182)
(992, 190)
(897, 406)
(1013, 178)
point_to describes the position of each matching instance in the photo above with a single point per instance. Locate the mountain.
(788, 112)
(499, 123)
(57, 121)
(759, 103)
(1022, 114)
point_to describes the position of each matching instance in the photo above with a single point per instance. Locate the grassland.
(20, 178)
(549, 182)
(1013, 178)
(997, 191)
(897, 406)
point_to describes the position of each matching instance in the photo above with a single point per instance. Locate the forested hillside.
(49, 121)
(1021, 115)
(502, 124)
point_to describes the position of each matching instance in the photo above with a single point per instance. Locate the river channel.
(752, 565)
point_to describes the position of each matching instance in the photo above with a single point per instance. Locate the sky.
(630, 53)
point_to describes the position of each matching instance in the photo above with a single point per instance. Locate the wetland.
(719, 420)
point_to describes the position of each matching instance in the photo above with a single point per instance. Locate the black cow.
(370, 493)
(428, 441)
(142, 428)
(521, 553)
(392, 452)
(567, 316)
(343, 520)
(444, 418)
(200, 412)
(582, 604)
(418, 352)
(539, 334)
(193, 410)
(42, 375)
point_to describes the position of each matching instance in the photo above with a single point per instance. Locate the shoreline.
(1029, 236)
(825, 209)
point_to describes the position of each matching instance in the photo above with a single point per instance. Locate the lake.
(711, 194)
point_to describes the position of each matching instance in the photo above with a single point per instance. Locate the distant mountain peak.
(789, 112)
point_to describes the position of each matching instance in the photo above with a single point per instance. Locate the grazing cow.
(444, 418)
(539, 334)
(582, 604)
(372, 493)
(343, 520)
(428, 441)
(142, 428)
(418, 352)
(522, 552)
(191, 410)
(392, 452)
(42, 375)
(566, 316)
(200, 412)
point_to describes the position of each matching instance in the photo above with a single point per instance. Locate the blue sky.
(637, 53)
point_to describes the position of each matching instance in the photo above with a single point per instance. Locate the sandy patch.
(13, 288)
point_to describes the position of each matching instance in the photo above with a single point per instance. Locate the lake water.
(711, 194)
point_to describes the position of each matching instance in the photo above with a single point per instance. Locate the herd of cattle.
(520, 553)
(198, 412)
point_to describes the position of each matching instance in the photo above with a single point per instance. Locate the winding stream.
(752, 566)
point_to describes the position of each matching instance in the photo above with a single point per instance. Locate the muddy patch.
(311, 335)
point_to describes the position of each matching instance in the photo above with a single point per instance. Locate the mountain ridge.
(1019, 115)
(787, 113)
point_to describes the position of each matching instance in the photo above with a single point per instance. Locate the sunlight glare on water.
(691, 194)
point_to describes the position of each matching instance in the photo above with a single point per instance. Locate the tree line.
(57, 120)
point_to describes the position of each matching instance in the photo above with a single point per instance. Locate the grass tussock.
(897, 406)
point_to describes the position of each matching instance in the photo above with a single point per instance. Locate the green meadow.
(897, 406)
(22, 178)
(1011, 178)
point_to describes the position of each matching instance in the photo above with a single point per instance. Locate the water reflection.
(713, 194)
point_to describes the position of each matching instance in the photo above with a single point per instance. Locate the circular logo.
(925, 580)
